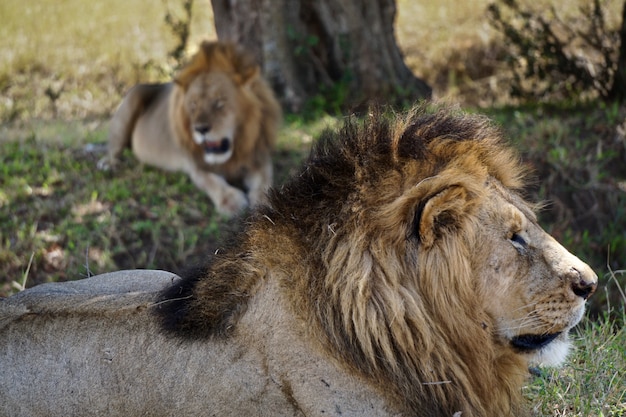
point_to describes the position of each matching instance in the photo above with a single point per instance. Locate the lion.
(217, 122)
(400, 272)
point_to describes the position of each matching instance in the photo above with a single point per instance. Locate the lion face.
(211, 104)
(533, 288)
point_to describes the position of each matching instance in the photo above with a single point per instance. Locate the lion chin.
(547, 350)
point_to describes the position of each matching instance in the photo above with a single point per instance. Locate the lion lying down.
(217, 121)
(399, 273)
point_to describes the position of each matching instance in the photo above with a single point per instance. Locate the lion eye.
(518, 241)
(218, 104)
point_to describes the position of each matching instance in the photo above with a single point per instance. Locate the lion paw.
(106, 164)
(232, 202)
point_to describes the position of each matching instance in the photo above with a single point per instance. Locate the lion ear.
(249, 75)
(246, 72)
(245, 66)
(441, 213)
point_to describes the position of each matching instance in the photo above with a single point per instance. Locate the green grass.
(61, 218)
(76, 220)
(592, 381)
(63, 70)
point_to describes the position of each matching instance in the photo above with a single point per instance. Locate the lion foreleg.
(227, 199)
(258, 182)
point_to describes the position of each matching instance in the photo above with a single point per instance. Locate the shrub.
(558, 58)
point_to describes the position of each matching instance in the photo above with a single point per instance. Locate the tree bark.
(618, 89)
(343, 51)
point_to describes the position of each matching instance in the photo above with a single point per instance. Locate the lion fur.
(372, 283)
(387, 333)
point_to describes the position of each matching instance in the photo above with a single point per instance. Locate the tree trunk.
(343, 51)
(618, 89)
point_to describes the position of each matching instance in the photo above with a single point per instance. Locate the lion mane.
(217, 121)
(400, 246)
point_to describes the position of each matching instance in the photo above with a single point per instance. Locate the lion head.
(221, 92)
(407, 248)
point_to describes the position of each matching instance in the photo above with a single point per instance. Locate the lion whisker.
(525, 306)
(524, 322)
(170, 300)
(437, 383)
(426, 179)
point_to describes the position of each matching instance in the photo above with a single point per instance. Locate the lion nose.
(202, 129)
(583, 286)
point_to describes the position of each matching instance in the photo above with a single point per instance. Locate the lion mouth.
(219, 146)
(530, 342)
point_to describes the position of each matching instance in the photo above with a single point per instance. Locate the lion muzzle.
(220, 146)
(217, 144)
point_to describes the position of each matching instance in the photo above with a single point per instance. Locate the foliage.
(332, 94)
(329, 100)
(553, 58)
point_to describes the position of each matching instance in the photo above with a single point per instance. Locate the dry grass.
(454, 48)
(74, 59)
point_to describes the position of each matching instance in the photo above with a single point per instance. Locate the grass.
(72, 60)
(60, 218)
(592, 381)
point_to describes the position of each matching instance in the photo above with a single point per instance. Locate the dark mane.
(343, 162)
(209, 298)
(344, 240)
(326, 191)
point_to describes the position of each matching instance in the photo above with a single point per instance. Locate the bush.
(553, 58)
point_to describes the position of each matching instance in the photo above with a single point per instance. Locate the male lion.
(399, 273)
(217, 122)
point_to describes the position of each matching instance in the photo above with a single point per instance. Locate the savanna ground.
(64, 67)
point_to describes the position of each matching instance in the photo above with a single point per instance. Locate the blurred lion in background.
(217, 121)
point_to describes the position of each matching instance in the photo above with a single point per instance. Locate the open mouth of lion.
(530, 342)
(219, 146)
